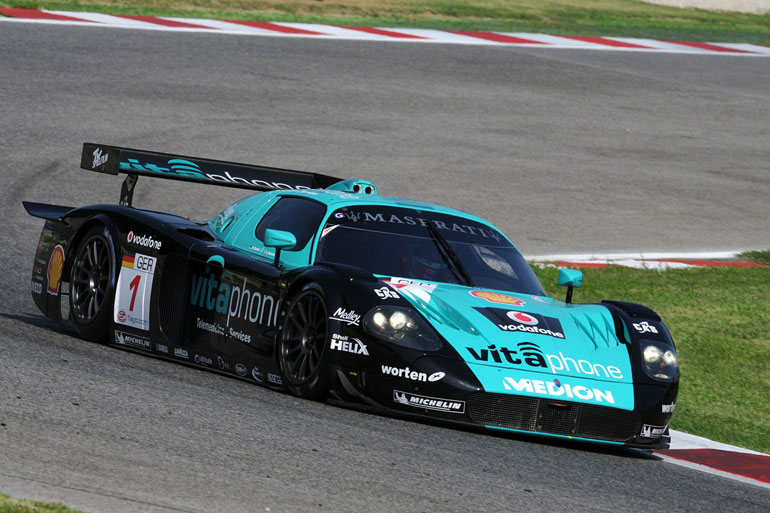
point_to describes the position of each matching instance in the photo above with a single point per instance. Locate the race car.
(322, 288)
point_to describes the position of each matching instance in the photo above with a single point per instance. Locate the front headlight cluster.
(401, 326)
(659, 360)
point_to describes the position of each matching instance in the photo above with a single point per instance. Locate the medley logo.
(350, 318)
(234, 301)
(512, 320)
(189, 169)
(530, 354)
(557, 389)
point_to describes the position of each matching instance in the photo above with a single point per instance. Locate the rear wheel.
(92, 284)
(302, 349)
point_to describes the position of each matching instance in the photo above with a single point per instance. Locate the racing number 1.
(134, 286)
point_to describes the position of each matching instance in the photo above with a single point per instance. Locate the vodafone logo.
(143, 240)
(122, 316)
(522, 318)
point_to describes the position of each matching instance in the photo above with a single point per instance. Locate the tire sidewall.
(316, 387)
(97, 329)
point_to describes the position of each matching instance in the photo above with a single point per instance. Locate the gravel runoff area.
(750, 6)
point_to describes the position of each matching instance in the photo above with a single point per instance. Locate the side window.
(299, 216)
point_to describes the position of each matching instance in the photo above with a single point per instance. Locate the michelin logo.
(428, 403)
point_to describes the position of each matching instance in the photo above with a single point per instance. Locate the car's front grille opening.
(554, 417)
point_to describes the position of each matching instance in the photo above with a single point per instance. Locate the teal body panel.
(560, 351)
(237, 223)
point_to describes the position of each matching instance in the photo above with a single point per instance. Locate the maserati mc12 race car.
(320, 287)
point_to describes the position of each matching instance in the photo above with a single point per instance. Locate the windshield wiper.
(449, 255)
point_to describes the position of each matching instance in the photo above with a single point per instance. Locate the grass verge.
(720, 320)
(628, 18)
(758, 257)
(9, 505)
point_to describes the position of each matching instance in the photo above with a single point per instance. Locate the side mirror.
(570, 278)
(279, 240)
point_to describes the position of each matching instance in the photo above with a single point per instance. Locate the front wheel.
(302, 348)
(92, 284)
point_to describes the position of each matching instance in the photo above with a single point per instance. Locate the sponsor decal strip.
(381, 34)
(407, 373)
(557, 389)
(428, 403)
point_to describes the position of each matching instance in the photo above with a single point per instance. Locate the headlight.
(659, 360)
(401, 326)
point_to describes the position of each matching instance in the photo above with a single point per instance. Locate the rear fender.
(49, 268)
(53, 260)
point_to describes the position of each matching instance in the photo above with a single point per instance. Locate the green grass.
(9, 505)
(720, 320)
(628, 18)
(759, 257)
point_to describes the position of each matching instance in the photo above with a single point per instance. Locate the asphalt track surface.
(567, 151)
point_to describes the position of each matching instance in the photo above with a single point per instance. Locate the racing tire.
(303, 352)
(92, 284)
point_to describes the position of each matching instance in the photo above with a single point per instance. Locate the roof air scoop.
(354, 186)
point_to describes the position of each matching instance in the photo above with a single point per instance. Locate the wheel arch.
(81, 232)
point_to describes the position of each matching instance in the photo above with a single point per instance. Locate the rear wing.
(134, 163)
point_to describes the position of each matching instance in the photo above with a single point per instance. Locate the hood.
(528, 345)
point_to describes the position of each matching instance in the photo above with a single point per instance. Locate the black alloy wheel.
(92, 284)
(303, 345)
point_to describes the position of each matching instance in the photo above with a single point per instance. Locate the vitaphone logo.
(235, 301)
(513, 320)
(530, 354)
(187, 168)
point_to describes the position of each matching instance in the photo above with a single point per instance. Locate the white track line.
(604, 257)
(681, 440)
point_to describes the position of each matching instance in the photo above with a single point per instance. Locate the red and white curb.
(259, 28)
(655, 261)
(718, 458)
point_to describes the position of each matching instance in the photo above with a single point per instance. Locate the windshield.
(397, 241)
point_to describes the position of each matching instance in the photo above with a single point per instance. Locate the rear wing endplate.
(134, 163)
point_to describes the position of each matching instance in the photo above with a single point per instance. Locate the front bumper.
(456, 399)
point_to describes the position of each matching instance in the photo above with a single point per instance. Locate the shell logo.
(55, 267)
(496, 297)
